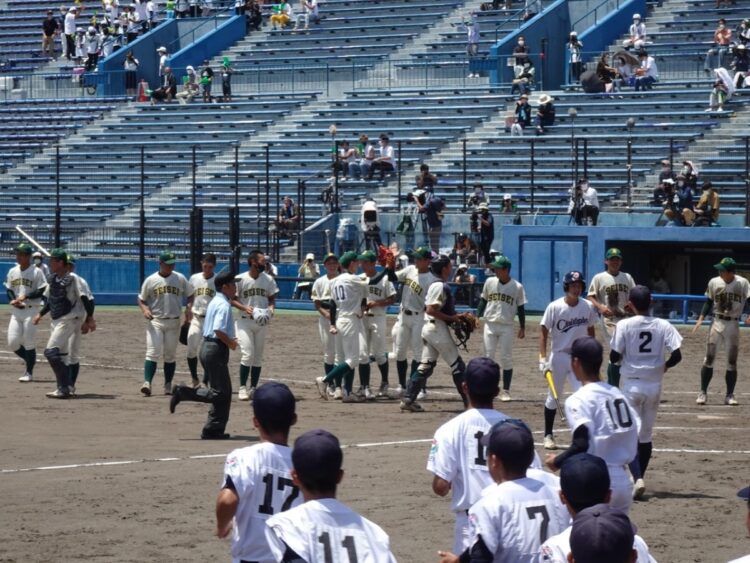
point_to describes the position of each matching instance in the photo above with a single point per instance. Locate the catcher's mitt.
(463, 327)
(183, 333)
(386, 258)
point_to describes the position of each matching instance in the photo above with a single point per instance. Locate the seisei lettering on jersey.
(261, 475)
(321, 289)
(164, 295)
(348, 291)
(515, 518)
(415, 287)
(729, 298)
(23, 282)
(503, 300)
(612, 291)
(203, 291)
(327, 531)
(255, 292)
(612, 424)
(565, 323)
(379, 291)
(642, 341)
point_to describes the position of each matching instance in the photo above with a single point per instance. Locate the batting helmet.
(572, 277)
(438, 263)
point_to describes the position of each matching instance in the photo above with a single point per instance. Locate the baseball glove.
(386, 258)
(261, 316)
(183, 333)
(463, 327)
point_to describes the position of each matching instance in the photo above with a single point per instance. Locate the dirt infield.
(112, 476)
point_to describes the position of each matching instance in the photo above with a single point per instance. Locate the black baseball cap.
(587, 349)
(510, 439)
(273, 404)
(744, 493)
(223, 279)
(317, 456)
(482, 376)
(601, 533)
(640, 296)
(584, 479)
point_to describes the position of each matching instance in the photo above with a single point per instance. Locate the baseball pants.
(438, 343)
(58, 348)
(374, 331)
(409, 336)
(728, 334)
(252, 339)
(351, 335)
(21, 331)
(195, 336)
(332, 353)
(161, 339)
(461, 532)
(643, 398)
(499, 335)
(622, 487)
(74, 353)
(560, 365)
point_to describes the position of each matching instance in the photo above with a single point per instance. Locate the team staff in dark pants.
(218, 340)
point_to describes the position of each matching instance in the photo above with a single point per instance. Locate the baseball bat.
(28, 237)
(328, 240)
(553, 390)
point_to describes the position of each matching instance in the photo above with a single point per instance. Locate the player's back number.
(282, 502)
(644, 338)
(619, 414)
(533, 512)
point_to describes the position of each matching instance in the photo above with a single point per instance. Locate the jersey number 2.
(645, 338)
(347, 543)
(267, 507)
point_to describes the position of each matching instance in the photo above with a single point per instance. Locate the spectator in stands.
(646, 74)
(718, 55)
(576, 61)
(253, 15)
(168, 88)
(288, 215)
(69, 28)
(509, 206)
(346, 157)
(719, 94)
(478, 197)
(50, 29)
(433, 212)
(226, 81)
(636, 34)
(521, 51)
(207, 79)
(666, 171)
(92, 48)
(465, 249)
(162, 60)
(605, 72)
(523, 78)
(545, 113)
(135, 24)
(282, 14)
(190, 88)
(743, 32)
(523, 116)
(182, 8)
(239, 7)
(366, 152)
(384, 163)
(308, 11)
(309, 271)
(150, 15)
(486, 231)
(464, 281)
(690, 171)
(80, 45)
(471, 28)
(707, 209)
(625, 75)
(740, 66)
(108, 42)
(663, 193)
(584, 203)
(131, 67)
(141, 8)
(194, 8)
(680, 209)
(725, 2)
(425, 179)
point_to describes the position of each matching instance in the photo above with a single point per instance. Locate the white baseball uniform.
(503, 300)
(203, 291)
(436, 333)
(75, 338)
(565, 324)
(612, 291)
(63, 327)
(411, 317)
(261, 477)
(374, 320)
(613, 433)
(21, 331)
(728, 303)
(348, 291)
(164, 297)
(557, 548)
(642, 341)
(457, 456)
(321, 291)
(252, 335)
(327, 531)
(515, 518)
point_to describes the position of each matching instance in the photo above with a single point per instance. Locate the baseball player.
(584, 482)
(256, 300)
(608, 293)
(204, 290)
(641, 342)
(457, 459)
(25, 285)
(511, 520)
(85, 324)
(564, 320)
(440, 312)
(257, 481)
(160, 301)
(407, 335)
(380, 296)
(601, 422)
(322, 529)
(725, 298)
(321, 297)
(63, 292)
(502, 297)
(38, 259)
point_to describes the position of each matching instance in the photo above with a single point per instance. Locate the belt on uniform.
(166, 318)
(727, 318)
(410, 313)
(369, 314)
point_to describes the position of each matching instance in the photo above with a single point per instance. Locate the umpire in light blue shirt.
(218, 339)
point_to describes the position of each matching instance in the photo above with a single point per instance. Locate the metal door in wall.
(544, 263)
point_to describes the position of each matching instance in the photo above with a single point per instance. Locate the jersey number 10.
(619, 410)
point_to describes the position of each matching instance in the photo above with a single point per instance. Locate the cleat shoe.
(505, 396)
(352, 398)
(331, 390)
(701, 400)
(26, 378)
(369, 395)
(174, 401)
(251, 393)
(146, 389)
(322, 387)
(72, 390)
(549, 442)
(58, 394)
(338, 394)
(399, 392)
(196, 383)
(410, 406)
(422, 395)
(242, 394)
(731, 401)
(168, 388)
(638, 489)
(214, 436)
(383, 390)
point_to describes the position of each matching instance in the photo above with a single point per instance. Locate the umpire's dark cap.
(510, 438)
(640, 296)
(482, 376)
(317, 455)
(223, 279)
(588, 349)
(274, 405)
(601, 533)
(584, 479)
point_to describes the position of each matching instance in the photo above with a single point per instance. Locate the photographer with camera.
(679, 209)
(432, 210)
(425, 179)
(486, 225)
(584, 203)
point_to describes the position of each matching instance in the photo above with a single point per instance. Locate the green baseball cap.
(330, 256)
(59, 254)
(726, 265)
(347, 258)
(423, 252)
(71, 259)
(24, 248)
(368, 256)
(500, 262)
(613, 253)
(168, 257)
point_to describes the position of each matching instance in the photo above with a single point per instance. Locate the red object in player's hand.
(386, 257)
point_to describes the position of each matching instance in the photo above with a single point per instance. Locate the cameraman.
(426, 180)
(486, 231)
(433, 210)
(479, 196)
(584, 203)
(679, 209)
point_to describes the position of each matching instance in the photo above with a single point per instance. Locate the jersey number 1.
(267, 506)
(347, 543)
